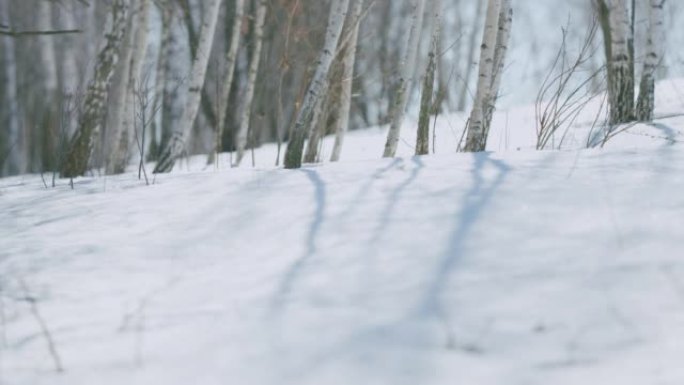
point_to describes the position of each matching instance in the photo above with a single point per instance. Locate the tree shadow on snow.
(363, 191)
(473, 205)
(393, 199)
(294, 272)
(388, 350)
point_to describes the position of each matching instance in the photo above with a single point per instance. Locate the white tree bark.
(244, 128)
(121, 140)
(90, 121)
(654, 53)
(502, 39)
(408, 69)
(476, 139)
(426, 102)
(348, 60)
(118, 97)
(177, 142)
(229, 72)
(15, 162)
(621, 78)
(295, 147)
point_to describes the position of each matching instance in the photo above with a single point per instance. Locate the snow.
(513, 266)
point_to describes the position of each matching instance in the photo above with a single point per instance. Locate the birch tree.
(160, 82)
(302, 128)
(229, 72)
(318, 123)
(621, 79)
(502, 39)
(174, 149)
(476, 139)
(654, 44)
(408, 65)
(348, 57)
(90, 123)
(244, 128)
(426, 104)
(118, 93)
(121, 141)
(14, 151)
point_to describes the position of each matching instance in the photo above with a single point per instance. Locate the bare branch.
(12, 33)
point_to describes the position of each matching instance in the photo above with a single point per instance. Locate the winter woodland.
(341, 191)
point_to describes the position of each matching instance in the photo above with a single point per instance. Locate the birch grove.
(302, 128)
(215, 78)
(177, 142)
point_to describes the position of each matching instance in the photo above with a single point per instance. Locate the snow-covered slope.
(510, 267)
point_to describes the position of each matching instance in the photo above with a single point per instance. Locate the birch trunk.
(654, 49)
(620, 78)
(121, 139)
(426, 105)
(229, 72)
(318, 124)
(302, 128)
(176, 65)
(15, 156)
(117, 99)
(206, 105)
(470, 64)
(502, 39)
(603, 15)
(160, 81)
(177, 142)
(348, 61)
(244, 127)
(408, 66)
(90, 122)
(476, 139)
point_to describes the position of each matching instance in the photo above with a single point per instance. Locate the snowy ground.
(509, 267)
